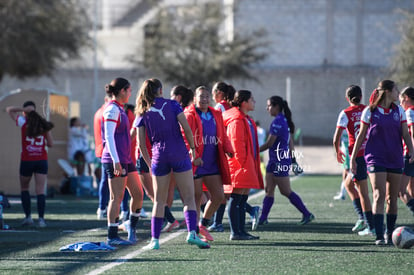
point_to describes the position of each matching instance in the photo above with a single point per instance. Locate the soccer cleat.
(339, 196)
(118, 241)
(367, 232)
(42, 223)
(255, 217)
(380, 242)
(192, 238)
(204, 232)
(132, 236)
(154, 244)
(216, 228)
(306, 220)
(27, 221)
(262, 222)
(359, 226)
(171, 226)
(249, 236)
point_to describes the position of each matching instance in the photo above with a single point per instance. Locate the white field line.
(133, 254)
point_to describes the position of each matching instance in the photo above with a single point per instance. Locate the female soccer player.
(36, 136)
(407, 185)
(350, 119)
(212, 145)
(245, 164)
(116, 159)
(160, 119)
(280, 151)
(384, 125)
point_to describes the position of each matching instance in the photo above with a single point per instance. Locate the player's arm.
(143, 145)
(271, 139)
(358, 143)
(340, 156)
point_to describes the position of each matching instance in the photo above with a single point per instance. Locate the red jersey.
(33, 148)
(350, 119)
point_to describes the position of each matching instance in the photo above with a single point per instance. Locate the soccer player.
(407, 178)
(356, 184)
(116, 159)
(160, 119)
(36, 135)
(280, 158)
(211, 144)
(245, 164)
(384, 125)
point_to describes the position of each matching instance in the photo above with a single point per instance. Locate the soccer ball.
(403, 237)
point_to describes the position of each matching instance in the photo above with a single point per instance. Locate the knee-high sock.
(168, 215)
(267, 205)
(249, 209)
(233, 212)
(218, 216)
(410, 205)
(191, 220)
(298, 203)
(156, 225)
(41, 205)
(369, 219)
(379, 226)
(391, 220)
(25, 197)
(358, 208)
(242, 213)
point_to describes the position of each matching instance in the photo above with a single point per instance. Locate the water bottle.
(1, 213)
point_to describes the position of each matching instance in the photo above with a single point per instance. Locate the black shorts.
(28, 167)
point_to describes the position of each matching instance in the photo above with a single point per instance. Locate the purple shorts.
(164, 168)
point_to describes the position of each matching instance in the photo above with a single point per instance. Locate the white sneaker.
(367, 232)
(42, 223)
(27, 221)
(101, 214)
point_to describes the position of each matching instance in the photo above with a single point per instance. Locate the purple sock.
(156, 226)
(191, 220)
(267, 205)
(297, 202)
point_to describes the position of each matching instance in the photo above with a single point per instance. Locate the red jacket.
(244, 166)
(224, 145)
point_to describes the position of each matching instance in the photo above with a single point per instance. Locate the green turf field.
(327, 245)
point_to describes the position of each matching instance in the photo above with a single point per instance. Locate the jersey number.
(38, 141)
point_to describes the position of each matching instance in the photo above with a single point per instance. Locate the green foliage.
(403, 61)
(187, 45)
(36, 35)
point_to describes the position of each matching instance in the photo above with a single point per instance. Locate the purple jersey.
(279, 152)
(164, 131)
(118, 147)
(210, 142)
(384, 144)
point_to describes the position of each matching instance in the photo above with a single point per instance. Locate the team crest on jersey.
(396, 116)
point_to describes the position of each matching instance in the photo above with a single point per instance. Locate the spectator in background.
(79, 151)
